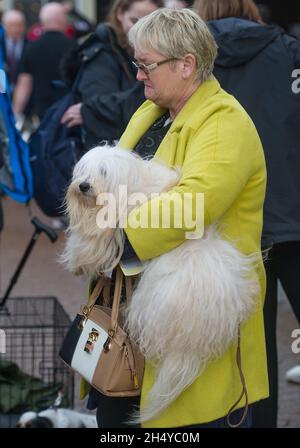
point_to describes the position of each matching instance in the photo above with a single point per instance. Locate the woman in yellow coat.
(189, 121)
(215, 142)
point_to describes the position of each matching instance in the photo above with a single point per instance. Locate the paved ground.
(43, 276)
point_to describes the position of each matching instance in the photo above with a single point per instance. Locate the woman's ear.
(189, 66)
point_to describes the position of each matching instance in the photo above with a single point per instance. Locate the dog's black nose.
(84, 187)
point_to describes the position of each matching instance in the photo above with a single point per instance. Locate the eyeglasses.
(149, 68)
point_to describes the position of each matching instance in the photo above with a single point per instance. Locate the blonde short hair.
(174, 33)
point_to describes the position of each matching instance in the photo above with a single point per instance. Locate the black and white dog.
(57, 418)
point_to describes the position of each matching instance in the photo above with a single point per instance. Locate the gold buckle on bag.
(90, 343)
(85, 313)
(107, 343)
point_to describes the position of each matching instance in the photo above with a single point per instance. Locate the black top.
(149, 143)
(42, 61)
(146, 148)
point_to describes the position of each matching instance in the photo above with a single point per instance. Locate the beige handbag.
(98, 348)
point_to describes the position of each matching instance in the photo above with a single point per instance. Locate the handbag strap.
(244, 390)
(102, 282)
(129, 288)
(117, 298)
(106, 293)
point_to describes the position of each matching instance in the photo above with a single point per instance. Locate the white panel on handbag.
(88, 350)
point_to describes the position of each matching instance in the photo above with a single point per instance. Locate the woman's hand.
(72, 117)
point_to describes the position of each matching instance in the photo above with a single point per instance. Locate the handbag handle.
(117, 296)
(101, 284)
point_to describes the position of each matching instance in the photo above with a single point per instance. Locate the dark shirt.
(151, 140)
(42, 61)
(146, 148)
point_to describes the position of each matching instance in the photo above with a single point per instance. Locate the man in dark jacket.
(42, 60)
(256, 64)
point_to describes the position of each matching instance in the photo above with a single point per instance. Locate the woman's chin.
(149, 92)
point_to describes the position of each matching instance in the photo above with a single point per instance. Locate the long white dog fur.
(188, 305)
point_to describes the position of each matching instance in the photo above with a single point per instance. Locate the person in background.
(41, 62)
(104, 7)
(14, 43)
(178, 4)
(108, 89)
(255, 64)
(78, 26)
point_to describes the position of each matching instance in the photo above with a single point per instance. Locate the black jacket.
(255, 63)
(42, 60)
(108, 88)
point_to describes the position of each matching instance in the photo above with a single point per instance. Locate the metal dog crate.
(31, 372)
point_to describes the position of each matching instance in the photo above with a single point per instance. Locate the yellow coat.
(216, 145)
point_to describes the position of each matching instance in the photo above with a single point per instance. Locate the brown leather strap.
(244, 390)
(106, 293)
(117, 298)
(129, 288)
(104, 284)
(96, 291)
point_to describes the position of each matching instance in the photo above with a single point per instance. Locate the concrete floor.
(43, 276)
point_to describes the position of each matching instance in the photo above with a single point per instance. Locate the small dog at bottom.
(57, 418)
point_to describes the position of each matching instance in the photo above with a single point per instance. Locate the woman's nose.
(84, 187)
(141, 75)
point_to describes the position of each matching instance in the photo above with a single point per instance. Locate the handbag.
(97, 347)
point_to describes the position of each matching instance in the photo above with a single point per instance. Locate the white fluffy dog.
(188, 305)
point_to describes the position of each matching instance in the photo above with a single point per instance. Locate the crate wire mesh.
(31, 372)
